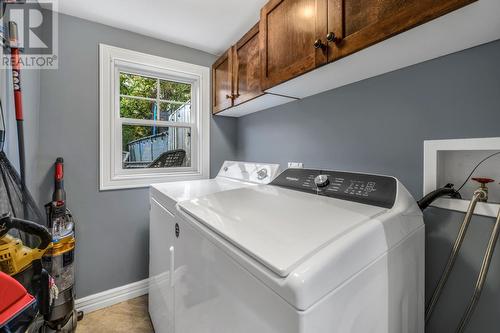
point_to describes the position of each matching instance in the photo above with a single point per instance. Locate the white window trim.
(111, 174)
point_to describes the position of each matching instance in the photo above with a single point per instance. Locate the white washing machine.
(314, 252)
(164, 223)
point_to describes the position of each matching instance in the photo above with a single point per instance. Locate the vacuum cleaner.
(59, 260)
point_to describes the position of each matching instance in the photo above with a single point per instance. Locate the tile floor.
(131, 317)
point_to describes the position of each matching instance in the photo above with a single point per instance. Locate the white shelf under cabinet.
(260, 103)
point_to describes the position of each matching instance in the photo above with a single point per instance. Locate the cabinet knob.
(318, 44)
(331, 37)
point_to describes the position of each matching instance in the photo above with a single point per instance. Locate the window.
(144, 145)
(154, 119)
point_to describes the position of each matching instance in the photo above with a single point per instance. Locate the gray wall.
(112, 247)
(378, 126)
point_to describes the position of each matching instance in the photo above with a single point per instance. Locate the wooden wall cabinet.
(358, 24)
(236, 74)
(298, 36)
(222, 82)
(236, 79)
(246, 67)
(282, 55)
(290, 39)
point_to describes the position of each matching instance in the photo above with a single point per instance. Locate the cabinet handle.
(331, 37)
(318, 44)
(229, 96)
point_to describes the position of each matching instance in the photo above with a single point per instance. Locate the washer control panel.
(372, 190)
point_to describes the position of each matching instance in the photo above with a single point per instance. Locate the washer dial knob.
(262, 174)
(321, 181)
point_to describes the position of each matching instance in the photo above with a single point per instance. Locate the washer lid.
(232, 175)
(278, 227)
(169, 194)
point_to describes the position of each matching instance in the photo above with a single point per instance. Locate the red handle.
(16, 70)
(59, 175)
(16, 80)
(483, 180)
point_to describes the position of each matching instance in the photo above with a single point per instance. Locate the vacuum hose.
(479, 194)
(8, 222)
(482, 276)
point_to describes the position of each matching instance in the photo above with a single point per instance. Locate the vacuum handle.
(59, 194)
(32, 228)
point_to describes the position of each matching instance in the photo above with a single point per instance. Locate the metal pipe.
(483, 273)
(479, 194)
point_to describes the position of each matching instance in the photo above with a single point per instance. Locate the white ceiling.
(208, 25)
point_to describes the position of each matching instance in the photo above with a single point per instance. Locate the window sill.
(123, 182)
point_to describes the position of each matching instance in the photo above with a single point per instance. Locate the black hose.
(447, 190)
(7, 222)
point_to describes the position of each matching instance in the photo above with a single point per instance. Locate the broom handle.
(18, 98)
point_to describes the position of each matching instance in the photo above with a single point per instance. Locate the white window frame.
(112, 61)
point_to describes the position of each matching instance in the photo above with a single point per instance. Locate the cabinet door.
(222, 80)
(361, 23)
(292, 40)
(247, 67)
(161, 293)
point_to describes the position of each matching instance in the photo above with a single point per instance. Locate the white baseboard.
(112, 296)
